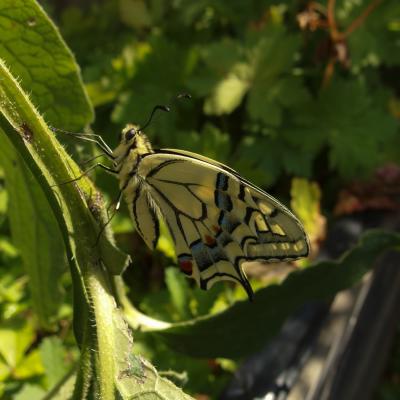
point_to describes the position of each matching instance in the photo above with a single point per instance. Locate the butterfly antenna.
(155, 109)
(89, 137)
(165, 108)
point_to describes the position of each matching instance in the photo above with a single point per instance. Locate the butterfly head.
(129, 133)
(133, 143)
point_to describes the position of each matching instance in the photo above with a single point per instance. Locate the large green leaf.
(353, 119)
(16, 337)
(30, 392)
(245, 327)
(53, 357)
(35, 52)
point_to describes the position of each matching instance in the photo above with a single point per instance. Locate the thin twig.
(332, 20)
(361, 18)
(337, 36)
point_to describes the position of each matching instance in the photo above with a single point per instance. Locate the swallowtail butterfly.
(217, 219)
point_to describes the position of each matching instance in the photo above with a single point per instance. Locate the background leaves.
(274, 95)
(40, 241)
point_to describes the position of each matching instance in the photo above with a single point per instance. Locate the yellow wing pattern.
(217, 219)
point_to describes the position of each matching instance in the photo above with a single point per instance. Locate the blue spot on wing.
(223, 238)
(218, 254)
(223, 200)
(222, 181)
(228, 222)
(202, 255)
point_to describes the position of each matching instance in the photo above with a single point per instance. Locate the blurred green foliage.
(260, 99)
(277, 93)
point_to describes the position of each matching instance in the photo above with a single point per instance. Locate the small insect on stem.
(27, 133)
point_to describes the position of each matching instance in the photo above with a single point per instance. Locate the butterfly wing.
(143, 212)
(217, 219)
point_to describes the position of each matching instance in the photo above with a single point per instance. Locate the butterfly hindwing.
(217, 219)
(144, 214)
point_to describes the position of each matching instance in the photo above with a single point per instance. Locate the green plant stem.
(52, 166)
(103, 304)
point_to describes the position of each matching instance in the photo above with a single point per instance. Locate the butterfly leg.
(116, 203)
(81, 164)
(117, 206)
(89, 137)
(108, 169)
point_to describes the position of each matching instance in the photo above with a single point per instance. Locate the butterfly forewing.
(217, 219)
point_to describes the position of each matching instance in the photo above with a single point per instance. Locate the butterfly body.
(217, 219)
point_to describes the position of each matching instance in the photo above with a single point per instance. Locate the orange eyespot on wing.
(211, 241)
(216, 229)
(185, 264)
